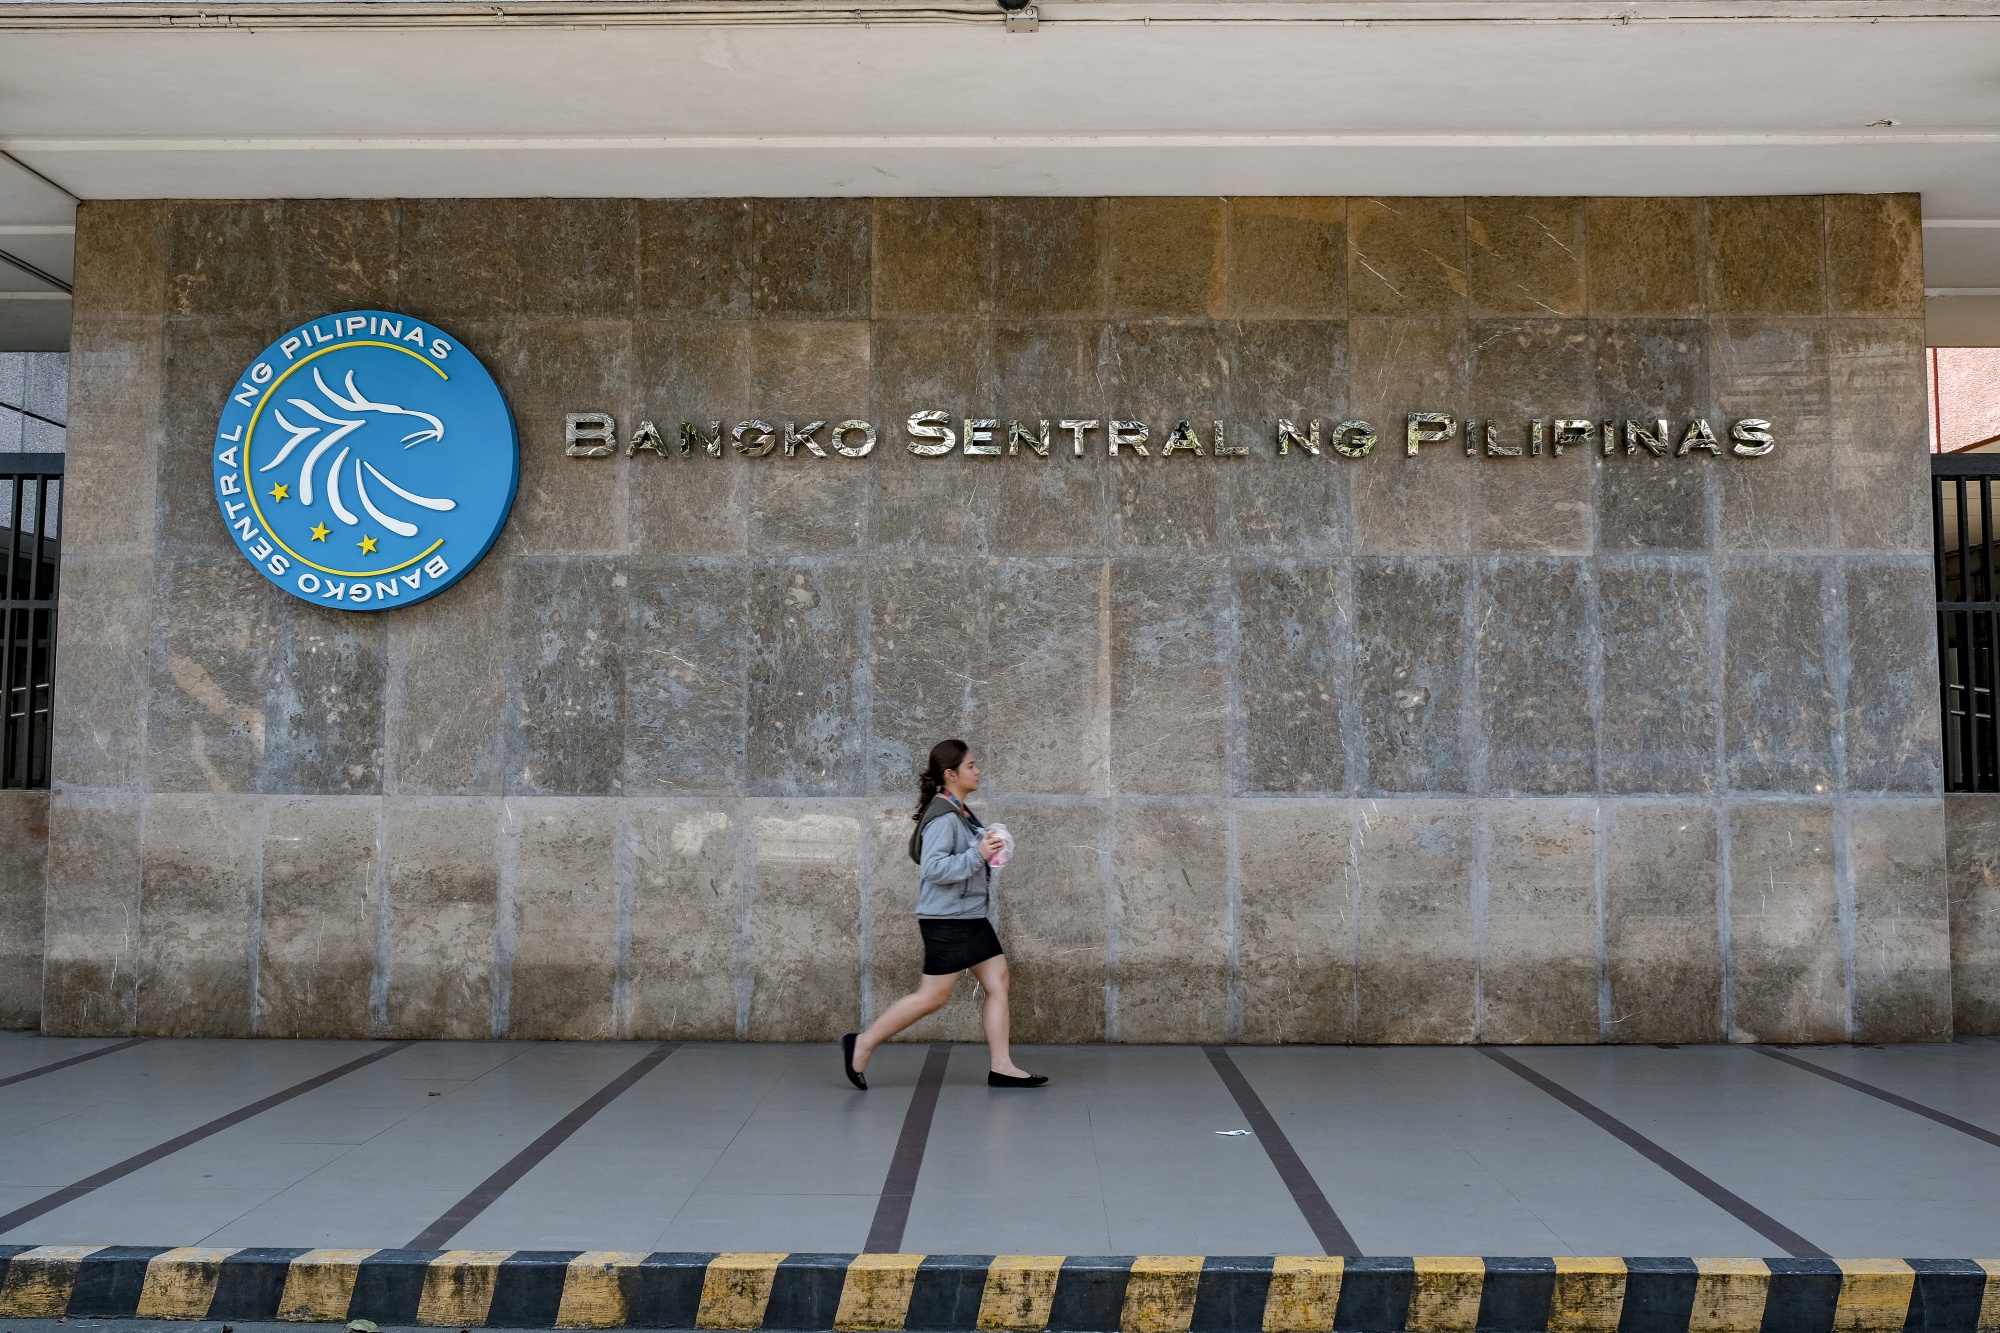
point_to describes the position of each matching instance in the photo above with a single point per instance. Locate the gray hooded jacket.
(953, 882)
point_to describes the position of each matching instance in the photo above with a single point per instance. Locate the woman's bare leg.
(927, 998)
(994, 1016)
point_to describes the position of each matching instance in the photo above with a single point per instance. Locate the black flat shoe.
(847, 1059)
(994, 1080)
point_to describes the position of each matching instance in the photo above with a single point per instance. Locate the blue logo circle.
(365, 461)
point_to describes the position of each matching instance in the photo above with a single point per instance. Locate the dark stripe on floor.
(528, 1288)
(892, 1211)
(1375, 1294)
(947, 1292)
(483, 1195)
(664, 1291)
(1515, 1296)
(1946, 1297)
(1326, 1225)
(1090, 1294)
(1659, 1295)
(805, 1291)
(48, 1203)
(73, 1060)
(250, 1284)
(1759, 1221)
(1883, 1094)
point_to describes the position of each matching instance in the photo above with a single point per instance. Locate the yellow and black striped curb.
(949, 1293)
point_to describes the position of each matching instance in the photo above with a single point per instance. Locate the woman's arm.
(941, 864)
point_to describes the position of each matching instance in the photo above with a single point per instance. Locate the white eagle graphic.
(332, 430)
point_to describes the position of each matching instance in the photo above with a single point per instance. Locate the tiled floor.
(1426, 1150)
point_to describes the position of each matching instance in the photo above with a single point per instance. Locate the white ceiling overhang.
(783, 97)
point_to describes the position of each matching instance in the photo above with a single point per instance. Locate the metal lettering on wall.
(933, 434)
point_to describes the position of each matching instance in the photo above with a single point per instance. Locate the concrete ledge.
(1030, 1293)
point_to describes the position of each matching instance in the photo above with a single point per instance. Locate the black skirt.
(952, 945)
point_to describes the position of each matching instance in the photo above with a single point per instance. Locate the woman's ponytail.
(944, 755)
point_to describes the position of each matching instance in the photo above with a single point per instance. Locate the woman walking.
(955, 852)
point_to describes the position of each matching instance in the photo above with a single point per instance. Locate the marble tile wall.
(1299, 749)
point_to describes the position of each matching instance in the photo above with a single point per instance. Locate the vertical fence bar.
(1967, 583)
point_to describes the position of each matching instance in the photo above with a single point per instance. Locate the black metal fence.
(30, 555)
(1968, 605)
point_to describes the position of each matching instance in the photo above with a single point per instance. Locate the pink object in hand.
(1006, 852)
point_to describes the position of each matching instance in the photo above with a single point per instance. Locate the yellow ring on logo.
(250, 431)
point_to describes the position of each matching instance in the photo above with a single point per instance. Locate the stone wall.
(1298, 749)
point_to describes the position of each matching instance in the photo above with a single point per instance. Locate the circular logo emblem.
(365, 461)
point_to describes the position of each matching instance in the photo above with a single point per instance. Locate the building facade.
(1532, 722)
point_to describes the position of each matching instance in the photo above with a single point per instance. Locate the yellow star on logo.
(367, 545)
(281, 492)
(319, 532)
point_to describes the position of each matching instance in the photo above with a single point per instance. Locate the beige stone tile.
(91, 963)
(1661, 938)
(1644, 255)
(1043, 717)
(1784, 930)
(1049, 258)
(1890, 726)
(1052, 918)
(684, 684)
(694, 372)
(112, 442)
(1534, 665)
(1527, 256)
(1292, 370)
(1777, 700)
(805, 918)
(222, 259)
(1538, 976)
(922, 504)
(316, 956)
(340, 254)
(1403, 505)
(1878, 415)
(1418, 968)
(807, 669)
(1766, 255)
(1159, 373)
(1875, 254)
(565, 920)
(460, 260)
(1294, 865)
(1289, 618)
(1169, 698)
(695, 256)
(1173, 923)
(1972, 865)
(549, 368)
(121, 259)
(1041, 371)
(579, 258)
(1524, 370)
(1166, 256)
(1648, 370)
(1410, 642)
(24, 863)
(196, 907)
(444, 715)
(928, 643)
(802, 372)
(1407, 257)
(568, 616)
(1287, 258)
(210, 722)
(931, 257)
(812, 258)
(442, 868)
(1657, 733)
(684, 921)
(1902, 927)
(1776, 370)
(102, 664)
